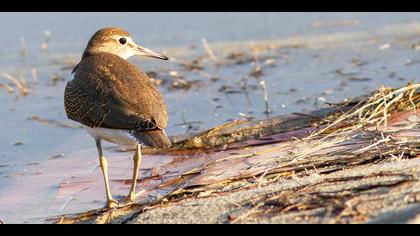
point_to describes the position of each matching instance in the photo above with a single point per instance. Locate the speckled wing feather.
(109, 92)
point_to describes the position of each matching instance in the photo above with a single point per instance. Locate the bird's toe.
(112, 204)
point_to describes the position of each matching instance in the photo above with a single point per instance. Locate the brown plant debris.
(347, 170)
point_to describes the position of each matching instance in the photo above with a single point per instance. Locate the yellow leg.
(137, 160)
(111, 203)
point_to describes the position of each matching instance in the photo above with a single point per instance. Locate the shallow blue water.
(70, 31)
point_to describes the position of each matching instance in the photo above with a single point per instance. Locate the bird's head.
(118, 42)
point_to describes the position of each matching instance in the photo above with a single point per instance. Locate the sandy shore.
(330, 199)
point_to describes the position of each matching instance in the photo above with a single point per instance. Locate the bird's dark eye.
(122, 41)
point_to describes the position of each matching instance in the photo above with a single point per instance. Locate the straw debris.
(21, 84)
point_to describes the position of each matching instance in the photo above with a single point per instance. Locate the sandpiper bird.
(115, 101)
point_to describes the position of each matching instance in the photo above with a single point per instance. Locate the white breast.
(122, 137)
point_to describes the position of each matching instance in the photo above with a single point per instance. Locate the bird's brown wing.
(109, 92)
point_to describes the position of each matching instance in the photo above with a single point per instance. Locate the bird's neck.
(88, 53)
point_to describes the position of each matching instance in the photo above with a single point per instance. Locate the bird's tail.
(155, 138)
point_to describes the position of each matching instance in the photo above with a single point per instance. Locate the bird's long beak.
(142, 51)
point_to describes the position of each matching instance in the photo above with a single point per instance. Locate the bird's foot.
(131, 197)
(112, 204)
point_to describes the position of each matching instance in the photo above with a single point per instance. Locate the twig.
(386, 139)
(23, 50)
(209, 51)
(34, 75)
(23, 88)
(412, 102)
(44, 46)
(261, 179)
(9, 88)
(257, 72)
(265, 94)
(236, 157)
(385, 104)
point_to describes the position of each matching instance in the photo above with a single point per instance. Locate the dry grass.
(369, 117)
(21, 84)
(374, 110)
(209, 50)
